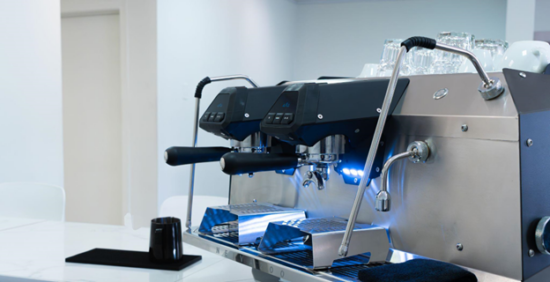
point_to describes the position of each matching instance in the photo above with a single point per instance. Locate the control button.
(211, 117)
(205, 116)
(269, 118)
(287, 118)
(219, 117)
(278, 118)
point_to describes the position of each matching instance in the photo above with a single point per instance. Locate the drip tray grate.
(244, 224)
(313, 243)
(305, 258)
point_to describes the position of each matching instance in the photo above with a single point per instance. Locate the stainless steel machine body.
(475, 202)
(467, 193)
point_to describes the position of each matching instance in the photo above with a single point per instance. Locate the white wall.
(31, 142)
(139, 112)
(337, 38)
(210, 38)
(520, 20)
(542, 15)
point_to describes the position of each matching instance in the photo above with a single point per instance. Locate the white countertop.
(35, 249)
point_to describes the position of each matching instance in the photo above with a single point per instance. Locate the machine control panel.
(236, 112)
(279, 118)
(213, 117)
(282, 112)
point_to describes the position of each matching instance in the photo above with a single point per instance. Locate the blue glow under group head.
(353, 172)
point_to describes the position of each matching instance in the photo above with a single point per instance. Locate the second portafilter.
(319, 157)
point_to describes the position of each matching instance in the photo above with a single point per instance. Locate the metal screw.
(282, 274)
(529, 142)
(464, 127)
(378, 110)
(531, 253)
(250, 175)
(320, 116)
(271, 269)
(522, 74)
(246, 115)
(459, 247)
(377, 169)
(254, 201)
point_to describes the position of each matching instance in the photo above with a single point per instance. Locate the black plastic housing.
(229, 109)
(320, 110)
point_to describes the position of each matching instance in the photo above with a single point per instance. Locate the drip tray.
(244, 224)
(313, 243)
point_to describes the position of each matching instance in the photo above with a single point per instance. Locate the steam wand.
(198, 96)
(490, 88)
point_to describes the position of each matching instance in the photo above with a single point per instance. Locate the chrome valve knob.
(542, 235)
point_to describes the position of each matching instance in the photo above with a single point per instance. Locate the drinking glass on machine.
(389, 56)
(420, 61)
(369, 70)
(446, 62)
(495, 47)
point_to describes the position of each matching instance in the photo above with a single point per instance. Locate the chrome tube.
(233, 77)
(383, 197)
(192, 169)
(343, 250)
(484, 77)
(195, 133)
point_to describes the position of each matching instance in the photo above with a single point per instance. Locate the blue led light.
(353, 172)
(346, 171)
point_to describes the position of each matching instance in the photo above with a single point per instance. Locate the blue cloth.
(417, 270)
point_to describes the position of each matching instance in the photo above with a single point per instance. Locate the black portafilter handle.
(419, 41)
(175, 156)
(237, 163)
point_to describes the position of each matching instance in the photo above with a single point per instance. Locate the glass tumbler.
(494, 46)
(446, 62)
(420, 61)
(389, 56)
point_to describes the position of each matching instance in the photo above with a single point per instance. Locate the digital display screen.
(219, 104)
(286, 103)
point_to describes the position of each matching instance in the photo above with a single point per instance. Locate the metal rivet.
(522, 74)
(377, 169)
(464, 127)
(459, 247)
(320, 116)
(531, 253)
(378, 110)
(246, 115)
(282, 274)
(529, 142)
(271, 269)
(357, 130)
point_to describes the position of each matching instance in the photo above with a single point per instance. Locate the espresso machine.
(384, 170)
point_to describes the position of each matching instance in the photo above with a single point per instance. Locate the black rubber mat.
(130, 259)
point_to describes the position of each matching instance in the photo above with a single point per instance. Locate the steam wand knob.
(417, 151)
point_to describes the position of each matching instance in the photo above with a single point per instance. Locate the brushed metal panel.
(479, 127)
(462, 100)
(468, 192)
